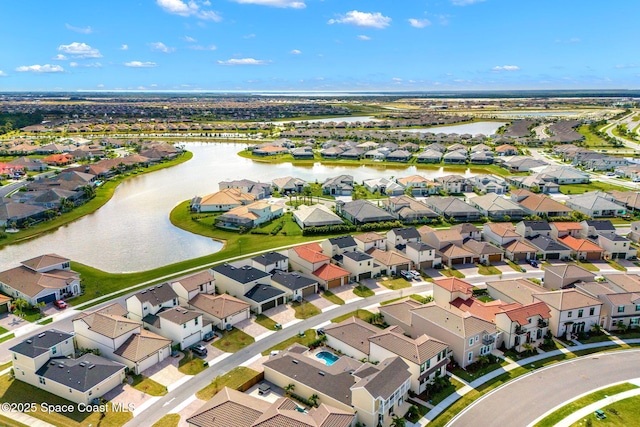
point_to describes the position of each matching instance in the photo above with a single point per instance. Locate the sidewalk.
(581, 413)
(25, 419)
(442, 406)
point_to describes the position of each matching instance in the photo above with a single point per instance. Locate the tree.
(313, 399)
(20, 306)
(289, 388)
(596, 329)
(398, 422)
(484, 360)
(88, 191)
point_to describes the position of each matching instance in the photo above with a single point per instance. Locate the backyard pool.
(328, 357)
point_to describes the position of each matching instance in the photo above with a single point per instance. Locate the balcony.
(520, 330)
(542, 323)
(488, 340)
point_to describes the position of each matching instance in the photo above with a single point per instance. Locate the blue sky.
(321, 45)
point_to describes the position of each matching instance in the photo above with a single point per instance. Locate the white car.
(416, 274)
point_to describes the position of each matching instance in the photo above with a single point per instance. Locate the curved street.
(523, 400)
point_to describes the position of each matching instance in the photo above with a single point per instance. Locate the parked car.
(406, 274)
(416, 274)
(60, 304)
(199, 349)
(209, 336)
(533, 263)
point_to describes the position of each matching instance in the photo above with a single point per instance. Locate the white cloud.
(199, 47)
(46, 68)
(571, 40)
(363, 37)
(249, 36)
(396, 79)
(87, 65)
(189, 39)
(179, 7)
(243, 61)
(59, 57)
(506, 68)
(465, 2)
(295, 52)
(419, 23)
(363, 19)
(100, 85)
(161, 47)
(3, 74)
(140, 64)
(293, 4)
(80, 50)
(82, 30)
(124, 47)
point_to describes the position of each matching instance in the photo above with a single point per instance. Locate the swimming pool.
(328, 357)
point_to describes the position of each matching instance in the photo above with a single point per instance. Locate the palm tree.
(289, 388)
(313, 399)
(596, 329)
(398, 422)
(20, 305)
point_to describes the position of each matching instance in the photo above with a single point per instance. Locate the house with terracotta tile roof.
(331, 276)
(572, 311)
(561, 228)
(307, 257)
(59, 159)
(582, 249)
(447, 289)
(527, 324)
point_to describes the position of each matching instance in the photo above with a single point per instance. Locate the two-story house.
(572, 312)
(523, 325)
(151, 301)
(360, 265)
(366, 241)
(221, 310)
(182, 326)
(189, 286)
(309, 259)
(296, 285)
(397, 238)
(271, 261)
(338, 245)
(422, 255)
(250, 285)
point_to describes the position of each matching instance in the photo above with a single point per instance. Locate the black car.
(199, 350)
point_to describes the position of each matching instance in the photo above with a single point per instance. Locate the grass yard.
(45, 321)
(592, 186)
(596, 338)
(363, 292)
(308, 338)
(8, 422)
(360, 314)
(485, 298)
(590, 139)
(3, 330)
(568, 409)
(475, 371)
(7, 338)
(232, 379)
(587, 265)
(305, 309)
(623, 413)
(421, 299)
(14, 391)
(169, 420)
(233, 340)
(149, 386)
(438, 397)
(616, 266)
(488, 270)
(265, 321)
(514, 266)
(395, 284)
(190, 365)
(452, 272)
(332, 297)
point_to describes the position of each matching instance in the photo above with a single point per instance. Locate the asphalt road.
(523, 400)
(186, 390)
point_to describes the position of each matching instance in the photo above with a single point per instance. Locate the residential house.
(455, 157)
(454, 208)
(615, 246)
(41, 360)
(223, 310)
(514, 290)
(629, 199)
(420, 186)
(454, 184)
(429, 156)
(506, 150)
(289, 185)
(564, 275)
(525, 325)
(259, 190)
(230, 407)
(591, 228)
(362, 212)
(481, 158)
(399, 313)
(308, 258)
(547, 248)
(490, 184)
(249, 216)
(366, 241)
(296, 285)
(533, 228)
(408, 209)
(485, 252)
(449, 246)
(534, 183)
(583, 249)
(360, 265)
(522, 163)
(468, 231)
(338, 245)
(391, 262)
(562, 175)
(341, 185)
(397, 238)
(42, 279)
(189, 286)
(151, 301)
(572, 312)
(540, 205)
(561, 229)
(422, 255)
(500, 233)
(315, 216)
(383, 186)
(617, 308)
(399, 156)
(250, 285)
(351, 337)
(497, 207)
(596, 205)
(270, 261)
(119, 338)
(634, 235)
(519, 250)
(182, 326)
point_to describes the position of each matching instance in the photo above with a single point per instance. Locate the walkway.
(442, 406)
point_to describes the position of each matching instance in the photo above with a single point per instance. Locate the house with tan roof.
(45, 278)
(315, 216)
(572, 311)
(624, 282)
(520, 250)
(541, 205)
(249, 216)
(514, 290)
(230, 407)
(366, 241)
(391, 262)
(188, 287)
(499, 233)
(564, 275)
(221, 310)
(485, 252)
(619, 309)
(222, 201)
(351, 337)
(119, 338)
(408, 209)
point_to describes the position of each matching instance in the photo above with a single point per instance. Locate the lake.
(132, 231)
(484, 128)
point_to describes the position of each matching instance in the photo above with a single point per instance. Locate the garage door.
(308, 291)
(457, 261)
(47, 298)
(426, 264)
(495, 257)
(402, 267)
(366, 275)
(520, 256)
(3, 308)
(334, 283)
(268, 305)
(280, 300)
(553, 256)
(593, 255)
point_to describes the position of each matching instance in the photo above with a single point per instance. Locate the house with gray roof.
(397, 238)
(151, 301)
(341, 185)
(481, 158)
(429, 156)
(455, 157)
(384, 186)
(399, 156)
(408, 209)
(250, 285)
(295, 284)
(289, 185)
(315, 216)
(453, 207)
(596, 204)
(362, 212)
(523, 163)
(497, 207)
(490, 184)
(547, 248)
(270, 261)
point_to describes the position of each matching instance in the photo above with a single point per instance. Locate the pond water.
(484, 128)
(349, 119)
(132, 232)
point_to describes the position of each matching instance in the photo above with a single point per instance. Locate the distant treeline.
(12, 121)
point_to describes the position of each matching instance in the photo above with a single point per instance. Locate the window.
(184, 326)
(539, 334)
(638, 307)
(635, 321)
(477, 338)
(423, 367)
(592, 310)
(470, 356)
(570, 314)
(54, 350)
(175, 301)
(470, 341)
(580, 312)
(42, 380)
(15, 357)
(621, 309)
(201, 288)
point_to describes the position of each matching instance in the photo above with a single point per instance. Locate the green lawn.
(591, 140)
(485, 298)
(592, 186)
(45, 321)
(361, 314)
(305, 309)
(587, 266)
(308, 338)
(623, 413)
(14, 391)
(333, 297)
(616, 266)
(568, 409)
(149, 386)
(265, 321)
(191, 365)
(596, 338)
(363, 292)
(514, 266)
(395, 284)
(438, 397)
(488, 270)
(475, 371)
(7, 338)
(233, 340)
(169, 420)
(452, 272)
(421, 299)
(8, 422)
(232, 379)
(3, 330)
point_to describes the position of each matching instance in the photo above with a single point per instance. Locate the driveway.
(547, 388)
(467, 269)
(250, 327)
(282, 314)
(346, 292)
(373, 285)
(10, 321)
(127, 395)
(166, 372)
(319, 301)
